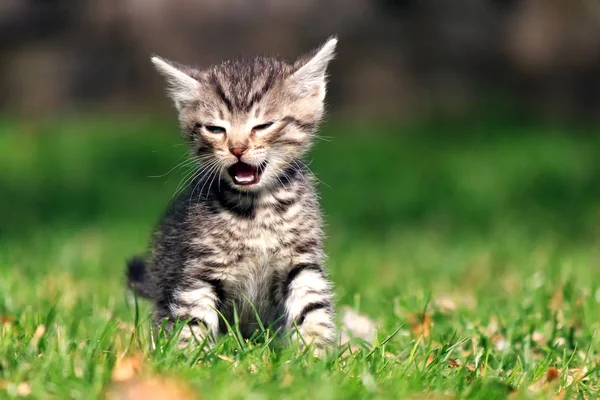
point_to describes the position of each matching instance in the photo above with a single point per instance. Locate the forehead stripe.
(264, 89)
(221, 93)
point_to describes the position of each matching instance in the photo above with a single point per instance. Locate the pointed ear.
(181, 87)
(310, 78)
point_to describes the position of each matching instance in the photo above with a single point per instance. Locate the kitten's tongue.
(243, 173)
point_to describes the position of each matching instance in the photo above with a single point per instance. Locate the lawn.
(474, 247)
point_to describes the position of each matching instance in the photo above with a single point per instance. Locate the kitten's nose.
(238, 151)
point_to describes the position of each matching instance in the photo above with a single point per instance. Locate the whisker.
(184, 182)
(211, 181)
(323, 138)
(209, 173)
(195, 173)
(178, 165)
(205, 169)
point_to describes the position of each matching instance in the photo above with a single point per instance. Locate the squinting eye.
(262, 127)
(215, 129)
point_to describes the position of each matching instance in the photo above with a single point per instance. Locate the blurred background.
(396, 57)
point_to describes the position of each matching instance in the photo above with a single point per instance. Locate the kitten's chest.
(263, 246)
(265, 240)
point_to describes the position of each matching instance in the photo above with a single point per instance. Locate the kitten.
(246, 236)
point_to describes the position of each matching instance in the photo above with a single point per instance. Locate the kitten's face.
(250, 121)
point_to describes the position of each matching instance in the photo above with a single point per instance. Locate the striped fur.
(240, 249)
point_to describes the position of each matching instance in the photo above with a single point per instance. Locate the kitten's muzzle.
(245, 174)
(238, 151)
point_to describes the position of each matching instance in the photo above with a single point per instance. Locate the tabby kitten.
(246, 236)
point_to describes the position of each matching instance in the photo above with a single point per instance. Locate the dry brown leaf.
(420, 324)
(576, 375)
(547, 383)
(552, 374)
(5, 320)
(155, 388)
(127, 368)
(560, 395)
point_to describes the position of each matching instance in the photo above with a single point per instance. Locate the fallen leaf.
(155, 388)
(127, 368)
(552, 374)
(5, 319)
(420, 324)
(576, 375)
(547, 383)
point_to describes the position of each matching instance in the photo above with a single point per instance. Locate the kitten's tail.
(137, 277)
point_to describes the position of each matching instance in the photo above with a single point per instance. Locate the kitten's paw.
(319, 337)
(195, 336)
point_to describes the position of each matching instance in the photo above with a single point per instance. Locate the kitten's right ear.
(310, 78)
(182, 88)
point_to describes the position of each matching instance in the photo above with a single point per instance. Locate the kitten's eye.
(262, 127)
(215, 129)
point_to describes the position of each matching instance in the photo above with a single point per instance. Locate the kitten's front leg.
(198, 303)
(308, 304)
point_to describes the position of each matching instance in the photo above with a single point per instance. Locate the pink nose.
(238, 151)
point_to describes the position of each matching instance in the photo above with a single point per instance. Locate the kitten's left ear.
(181, 87)
(310, 78)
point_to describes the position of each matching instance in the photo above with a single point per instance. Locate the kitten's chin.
(246, 176)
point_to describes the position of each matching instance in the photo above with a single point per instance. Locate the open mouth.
(245, 174)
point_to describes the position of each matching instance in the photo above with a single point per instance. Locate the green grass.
(491, 230)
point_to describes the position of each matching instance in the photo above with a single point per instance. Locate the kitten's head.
(249, 121)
